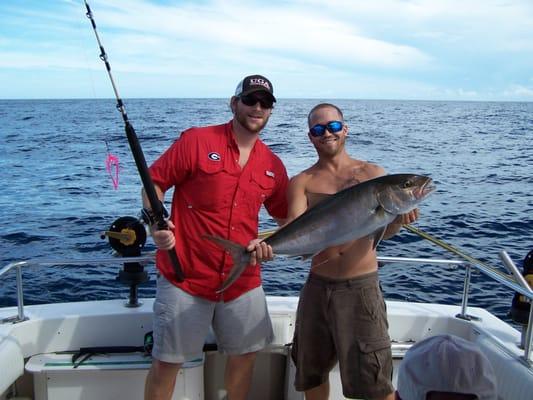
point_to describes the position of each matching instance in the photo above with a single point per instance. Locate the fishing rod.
(157, 209)
(267, 232)
(455, 251)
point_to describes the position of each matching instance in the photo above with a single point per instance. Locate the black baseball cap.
(254, 83)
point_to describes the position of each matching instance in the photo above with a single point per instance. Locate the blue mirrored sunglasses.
(332, 126)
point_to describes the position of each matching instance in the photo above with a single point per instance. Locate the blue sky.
(356, 49)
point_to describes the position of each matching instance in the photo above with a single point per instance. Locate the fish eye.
(407, 184)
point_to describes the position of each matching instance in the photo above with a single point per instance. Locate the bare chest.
(331, 183)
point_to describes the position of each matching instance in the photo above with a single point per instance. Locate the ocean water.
(57, 197)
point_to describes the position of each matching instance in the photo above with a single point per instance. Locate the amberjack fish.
(361, 210)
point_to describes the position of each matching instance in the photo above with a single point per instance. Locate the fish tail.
(238, 254)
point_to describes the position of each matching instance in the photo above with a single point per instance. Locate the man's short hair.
(323, 105)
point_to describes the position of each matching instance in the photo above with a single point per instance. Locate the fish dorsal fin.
(377, 236)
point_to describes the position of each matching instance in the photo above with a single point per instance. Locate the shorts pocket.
(371, 345)
(161, 313)
(371, 303)
(376, 359)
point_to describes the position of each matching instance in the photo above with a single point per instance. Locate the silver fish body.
(358, 211)
(350, 214)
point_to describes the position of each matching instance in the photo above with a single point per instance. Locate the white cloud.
(519, 91)
(466, 49)
(297, 32)
(485, 24)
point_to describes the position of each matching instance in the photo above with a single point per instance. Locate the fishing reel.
(127, 236)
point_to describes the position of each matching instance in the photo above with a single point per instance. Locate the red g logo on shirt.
(214, 156)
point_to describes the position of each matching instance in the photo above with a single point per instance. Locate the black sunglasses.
(251, 100)
(332, 126)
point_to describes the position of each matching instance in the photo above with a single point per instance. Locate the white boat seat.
(110, 361)
(103, 376)
(11, 362)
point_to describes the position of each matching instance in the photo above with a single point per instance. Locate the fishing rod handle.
(149, 188)
(150, 219)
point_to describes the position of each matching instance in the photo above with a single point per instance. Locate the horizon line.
(282, 98)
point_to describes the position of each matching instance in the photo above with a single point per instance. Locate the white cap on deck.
(446, 363)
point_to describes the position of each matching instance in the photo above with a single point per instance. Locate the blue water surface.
(57, 197)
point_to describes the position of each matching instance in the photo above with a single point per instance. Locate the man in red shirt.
(221, 176)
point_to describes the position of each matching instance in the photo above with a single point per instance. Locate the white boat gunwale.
(517, 284)
(503, 338)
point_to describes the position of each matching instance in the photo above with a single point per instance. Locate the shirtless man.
(341, 314)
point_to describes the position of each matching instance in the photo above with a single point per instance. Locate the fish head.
(401, 193)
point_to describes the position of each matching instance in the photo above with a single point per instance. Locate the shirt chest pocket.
(261, 188)
(210, 190)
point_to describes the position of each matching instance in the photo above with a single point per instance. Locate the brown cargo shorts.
(344, 321)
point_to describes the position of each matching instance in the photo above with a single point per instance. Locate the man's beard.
(242, 118)
(329, 152)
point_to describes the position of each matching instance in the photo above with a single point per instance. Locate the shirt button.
(234, 204)
(232, 228)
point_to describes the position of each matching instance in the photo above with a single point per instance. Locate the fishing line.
(157, 209)
(112, 163)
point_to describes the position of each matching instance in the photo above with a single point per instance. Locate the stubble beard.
(254, 128)
(328, 152)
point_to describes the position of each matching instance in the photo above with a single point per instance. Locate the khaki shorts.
(182, 322)
(344, 321)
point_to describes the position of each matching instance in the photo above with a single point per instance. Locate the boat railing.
(517, 284)
(39, 262)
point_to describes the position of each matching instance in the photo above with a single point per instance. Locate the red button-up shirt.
(214, 195)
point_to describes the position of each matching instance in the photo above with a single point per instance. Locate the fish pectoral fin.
(380, 211)
(306, 256)
(377, 236)
(383, 201)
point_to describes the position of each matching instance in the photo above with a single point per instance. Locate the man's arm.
(159, 192)
(280, 221)
(296, 198)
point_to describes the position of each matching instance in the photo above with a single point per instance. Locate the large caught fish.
(358, 211)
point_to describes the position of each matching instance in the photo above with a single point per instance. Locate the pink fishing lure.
(113, 167)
